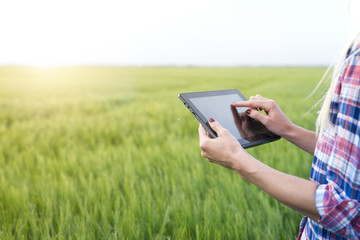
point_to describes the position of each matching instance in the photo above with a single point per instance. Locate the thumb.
(257, 115)
(216, 126)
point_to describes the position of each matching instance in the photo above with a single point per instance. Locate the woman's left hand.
(224, 150)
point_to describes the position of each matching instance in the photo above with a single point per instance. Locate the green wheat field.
(112, 153)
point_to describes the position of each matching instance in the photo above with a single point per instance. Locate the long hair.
(333, 73)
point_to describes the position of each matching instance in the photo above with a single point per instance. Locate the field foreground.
(111, 153)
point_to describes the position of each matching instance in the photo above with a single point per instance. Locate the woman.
(330, 200)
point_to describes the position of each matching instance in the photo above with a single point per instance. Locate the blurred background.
(95, 144)
(181, 33)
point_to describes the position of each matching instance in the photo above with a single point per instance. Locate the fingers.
(202, 133)
(216, 127)
(255, 102)
(252, 104)
(204, 137)
(234, 111)
(236, 117)
(258, 116)
(257, 97)
(253, 98)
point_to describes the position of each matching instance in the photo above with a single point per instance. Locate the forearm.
(294, 192)
(303, 138)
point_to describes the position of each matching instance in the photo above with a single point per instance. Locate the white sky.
(172, 32)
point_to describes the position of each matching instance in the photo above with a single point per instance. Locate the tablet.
(217, 105)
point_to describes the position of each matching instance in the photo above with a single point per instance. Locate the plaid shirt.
(336, 164)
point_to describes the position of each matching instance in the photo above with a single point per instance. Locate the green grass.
(111, 153)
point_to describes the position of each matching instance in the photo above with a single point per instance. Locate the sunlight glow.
(161, 32)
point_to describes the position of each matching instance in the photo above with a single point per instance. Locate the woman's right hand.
(274, 120)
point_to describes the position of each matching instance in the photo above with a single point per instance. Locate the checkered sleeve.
(337, 201)
(338, 212)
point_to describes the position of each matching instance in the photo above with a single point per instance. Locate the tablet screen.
(234, 119)
(210, 105)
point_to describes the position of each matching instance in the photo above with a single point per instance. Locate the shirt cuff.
(336, 210)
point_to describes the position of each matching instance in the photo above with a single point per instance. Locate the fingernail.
(248, 112)
(211, 120)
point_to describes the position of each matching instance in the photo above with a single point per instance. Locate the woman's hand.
(224, 150)
(248, 128)
(274, 120)
(277, 122)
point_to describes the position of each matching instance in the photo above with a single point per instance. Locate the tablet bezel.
(185, 98)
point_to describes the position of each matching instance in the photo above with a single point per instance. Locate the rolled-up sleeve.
(339, 213)
(337, 201)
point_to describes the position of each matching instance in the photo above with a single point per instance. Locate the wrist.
(291, 132)
(245, 165)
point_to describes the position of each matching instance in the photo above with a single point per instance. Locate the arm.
(294, 192)
(335, 203)
(327, 204)
(303, 138)
(277, 122)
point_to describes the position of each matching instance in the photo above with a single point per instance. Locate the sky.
(173, 32)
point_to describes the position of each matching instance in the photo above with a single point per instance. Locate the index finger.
(251, 104)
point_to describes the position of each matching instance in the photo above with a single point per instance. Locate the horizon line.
(165, 65)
